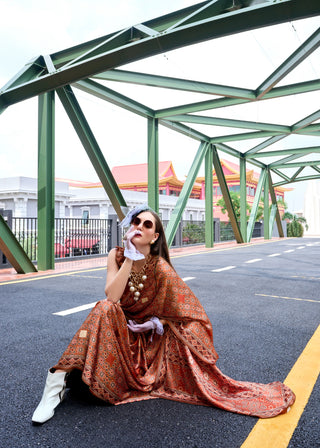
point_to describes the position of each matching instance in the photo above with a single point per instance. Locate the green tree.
(235, 199)
(294, 226)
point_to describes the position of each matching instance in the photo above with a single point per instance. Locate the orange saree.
(120, 366)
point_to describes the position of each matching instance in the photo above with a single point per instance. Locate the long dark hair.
(160, 246)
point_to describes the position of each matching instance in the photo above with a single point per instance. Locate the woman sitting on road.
(151, 338)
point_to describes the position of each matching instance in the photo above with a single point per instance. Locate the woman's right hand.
(130, 251)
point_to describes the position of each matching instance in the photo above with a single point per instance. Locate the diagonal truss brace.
(255, 205)
(92, 148)
(226, 195)
(185, 192)
(274, 215)
(14, 252)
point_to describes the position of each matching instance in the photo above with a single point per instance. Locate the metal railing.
(76, 237)
(73, 237)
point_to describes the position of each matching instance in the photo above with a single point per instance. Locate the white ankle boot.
(53, 394)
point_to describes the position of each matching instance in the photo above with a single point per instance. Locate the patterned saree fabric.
(120, 366)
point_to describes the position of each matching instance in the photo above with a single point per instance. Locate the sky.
(33, 27)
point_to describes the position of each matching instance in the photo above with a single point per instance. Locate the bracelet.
(158, 325)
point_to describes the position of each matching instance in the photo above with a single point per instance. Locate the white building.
(19, 194)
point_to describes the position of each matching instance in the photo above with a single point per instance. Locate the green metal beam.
(255, 205)
(202, 22)
(297, 173)
(226, 196)
(280, 174)
(11, 248)
(46, 180)
(199, 106)
(153, 164)
(243, 198)
(113, 97)
(275, 210)
(175, 83)
(266, 223)
(209, 223)
(185, 130)
(296, 164)
(241, 124)
(293, 89)
(298, 179)
(285, 160)
(281, 152)
(242, 136)
(265, 144)
(92, 148)
(185, 192)
(287, 66)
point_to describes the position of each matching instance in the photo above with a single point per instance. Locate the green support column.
(255, 205)
(266, 230)
(46, 123)
(243, 199)
(226, 195)
(185, 193)
(153, 164)
(209, 224)
(274, 210)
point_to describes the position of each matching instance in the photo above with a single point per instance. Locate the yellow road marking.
(276, 432)
(41, 277)
(290, 298)
(305, 277)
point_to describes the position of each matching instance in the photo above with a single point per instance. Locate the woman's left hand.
(152, 324)
(140, 328)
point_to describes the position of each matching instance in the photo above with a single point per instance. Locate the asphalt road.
(258, 338)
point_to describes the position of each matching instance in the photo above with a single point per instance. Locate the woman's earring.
(152, 242)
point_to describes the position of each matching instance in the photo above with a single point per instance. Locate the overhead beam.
(290, 63)
(106, 94)
(175, 84)
(226, 122)
(203, 27)
(295, 164)
(281, 152)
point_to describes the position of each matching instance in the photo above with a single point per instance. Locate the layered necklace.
(137, 279)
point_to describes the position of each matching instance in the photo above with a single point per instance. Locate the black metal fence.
(91, 237)
(72, 237)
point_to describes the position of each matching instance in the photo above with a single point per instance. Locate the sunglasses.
(147, 224)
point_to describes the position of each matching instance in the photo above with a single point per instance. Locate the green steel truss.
(88, 65)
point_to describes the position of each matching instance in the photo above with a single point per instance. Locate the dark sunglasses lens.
(136, 221)
(148, 224)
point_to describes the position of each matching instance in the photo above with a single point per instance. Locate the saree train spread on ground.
(120, 366)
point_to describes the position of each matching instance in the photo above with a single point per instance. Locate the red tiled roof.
(137, 174)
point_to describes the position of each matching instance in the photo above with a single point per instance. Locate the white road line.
(75, 310)
(185, 279)
(223, 269)
(301, 247)
(254, 260)
(274, 255)
(288, 251)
